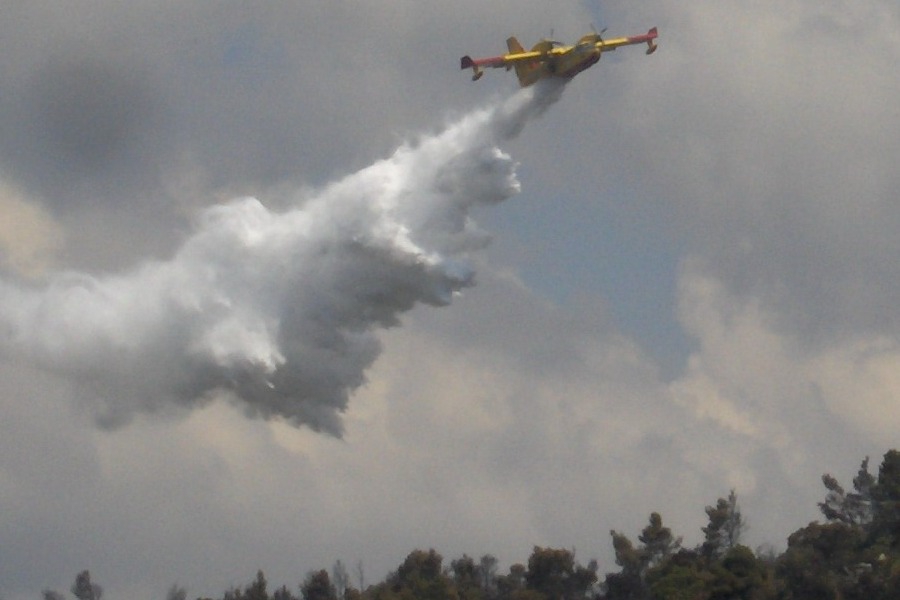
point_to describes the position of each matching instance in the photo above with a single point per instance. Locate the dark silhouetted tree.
(818, 560)
(886, 496)
(740, 576)
(628, 583)
(658, 542)
(512, 583)
(253, 591)
(854, 508)
(257, 589)
(723, 532)
(83, 589)
(176, 593)
(683, 577)
(420, 577)
(318, 586)
(283, 593)
(421, 565)
(487, 573)
(466, 578)
(554, 573)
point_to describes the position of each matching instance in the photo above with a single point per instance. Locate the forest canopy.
(854, 553)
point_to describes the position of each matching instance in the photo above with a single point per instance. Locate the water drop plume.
(278, 309)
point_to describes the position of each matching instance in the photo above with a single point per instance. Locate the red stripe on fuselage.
(494, 60)
(638, 39)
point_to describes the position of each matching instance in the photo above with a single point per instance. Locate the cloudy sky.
(694, 291)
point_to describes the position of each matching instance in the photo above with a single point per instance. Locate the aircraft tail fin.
(466, 62)
(514, 46)
(651, 45)
(523, 69)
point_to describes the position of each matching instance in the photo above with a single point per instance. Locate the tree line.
(854, 554)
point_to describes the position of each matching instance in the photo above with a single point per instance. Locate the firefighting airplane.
(551, 59)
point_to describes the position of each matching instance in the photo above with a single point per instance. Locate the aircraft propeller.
(551, 40)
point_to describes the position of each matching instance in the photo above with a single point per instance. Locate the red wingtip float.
(551, 59)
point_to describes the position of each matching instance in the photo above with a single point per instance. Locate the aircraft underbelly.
(574, 67)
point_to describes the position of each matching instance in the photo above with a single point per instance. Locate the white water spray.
(279, 309)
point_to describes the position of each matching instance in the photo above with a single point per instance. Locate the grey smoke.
(278, 309)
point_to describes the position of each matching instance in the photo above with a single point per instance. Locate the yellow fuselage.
(561, 62)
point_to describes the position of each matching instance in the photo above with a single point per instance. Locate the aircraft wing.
(647, 38)
(505, 61)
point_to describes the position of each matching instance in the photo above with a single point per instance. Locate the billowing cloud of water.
(279, 309)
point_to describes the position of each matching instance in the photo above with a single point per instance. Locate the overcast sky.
(696, 289)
